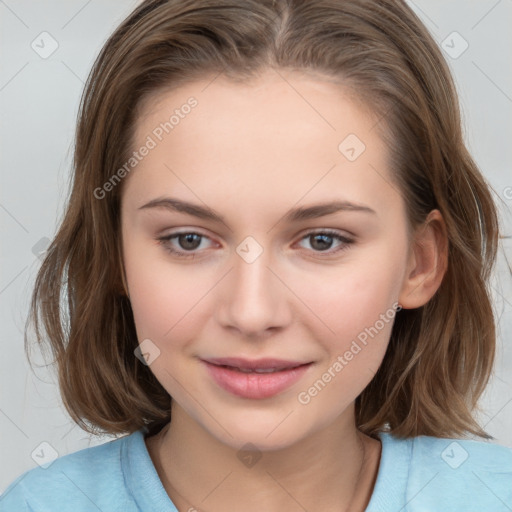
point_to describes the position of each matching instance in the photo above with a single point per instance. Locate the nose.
(252, 299)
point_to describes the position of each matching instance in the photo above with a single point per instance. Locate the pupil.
(323, 243)
(187, 241)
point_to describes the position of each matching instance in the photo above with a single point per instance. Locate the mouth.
(256, 379)
(266, 364)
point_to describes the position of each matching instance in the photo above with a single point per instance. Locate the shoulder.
(83, 480)
(466, 454)
(459, 474)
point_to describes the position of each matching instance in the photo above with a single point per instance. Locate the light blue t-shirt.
(421, 474)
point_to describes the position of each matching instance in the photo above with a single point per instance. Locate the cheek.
(357, 308)
(166, 305)
(166, 299)
(361, 314)
(349, 300)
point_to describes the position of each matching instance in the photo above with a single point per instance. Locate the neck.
(331, 470)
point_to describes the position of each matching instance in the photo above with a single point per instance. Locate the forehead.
(284, 136)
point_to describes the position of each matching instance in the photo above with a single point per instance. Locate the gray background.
(39, 97)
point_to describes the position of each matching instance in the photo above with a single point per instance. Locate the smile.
(255, 379)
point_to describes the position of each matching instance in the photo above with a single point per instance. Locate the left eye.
(190, 241)
(322, 241)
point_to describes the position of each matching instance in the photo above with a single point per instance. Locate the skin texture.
(251, 153)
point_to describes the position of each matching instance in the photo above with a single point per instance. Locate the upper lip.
(248, 364)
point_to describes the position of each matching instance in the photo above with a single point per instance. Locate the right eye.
(189, 241)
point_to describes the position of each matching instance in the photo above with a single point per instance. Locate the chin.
(269, 433)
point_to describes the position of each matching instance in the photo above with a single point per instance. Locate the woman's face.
(299, 295)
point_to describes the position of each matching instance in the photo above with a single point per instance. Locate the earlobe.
(427, 263)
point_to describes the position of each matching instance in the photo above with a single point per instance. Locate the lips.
(256, 379)
(256, 364)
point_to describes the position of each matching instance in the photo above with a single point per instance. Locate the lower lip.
(255, 385)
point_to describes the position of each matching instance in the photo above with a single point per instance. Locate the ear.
(427, 262)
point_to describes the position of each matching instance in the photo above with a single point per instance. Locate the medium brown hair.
(440, 356)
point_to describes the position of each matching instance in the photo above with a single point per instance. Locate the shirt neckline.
(391, 483)
(141, 476)
(146, 488)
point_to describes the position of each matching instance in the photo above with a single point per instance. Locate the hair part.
(440, 356)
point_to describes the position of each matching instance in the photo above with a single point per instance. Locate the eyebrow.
(293, 215)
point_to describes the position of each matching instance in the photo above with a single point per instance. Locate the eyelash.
(164, 241)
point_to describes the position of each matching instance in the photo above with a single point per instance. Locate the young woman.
(275, 257)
